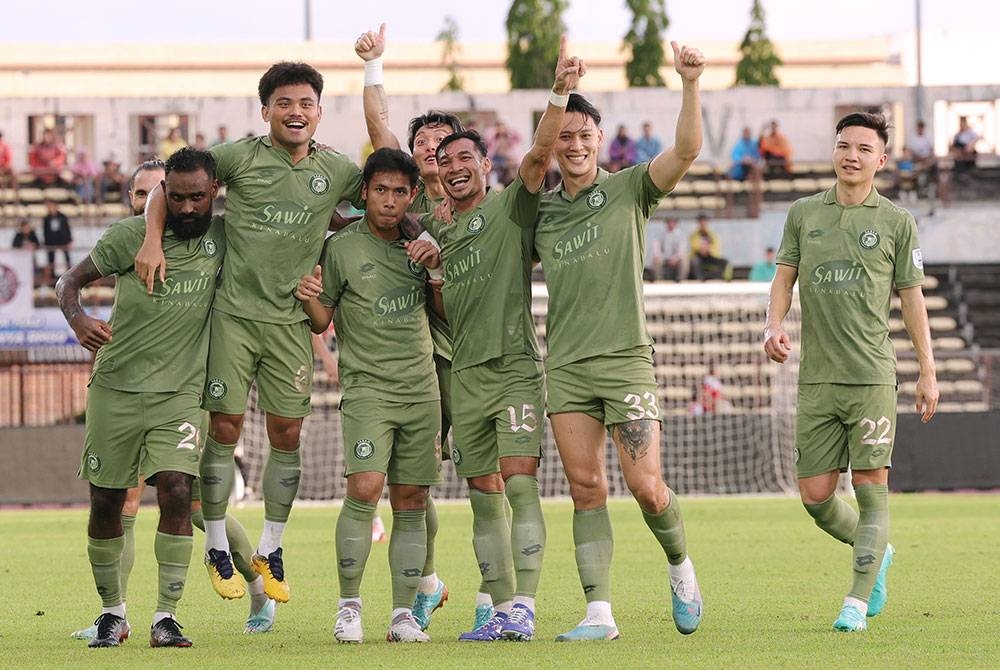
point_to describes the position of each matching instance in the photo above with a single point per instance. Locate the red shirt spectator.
(47, 159)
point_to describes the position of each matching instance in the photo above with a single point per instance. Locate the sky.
(75, 21)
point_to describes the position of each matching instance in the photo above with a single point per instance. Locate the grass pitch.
(772, 584)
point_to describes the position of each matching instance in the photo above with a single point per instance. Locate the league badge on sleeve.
(918, 258)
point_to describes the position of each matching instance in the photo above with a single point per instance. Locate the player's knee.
(491, 483)
(518, 465)
(588, 490)
(366, 486)
(225, 428)
(651, 493)
(407, 497)
(283, 433)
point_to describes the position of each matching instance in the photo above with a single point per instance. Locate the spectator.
(776, 151)
(647, 147)
(706, 253)
(111, 183)
(85, 175)
(171, 143)
(963, 147)
(502, 144)
(25, 237)
(656, 232)
(764, 270)
(746, 156)
(621, 151)
(924, 161)
(57, 235)
(675, 253)
(199, 142)
(222, 137)
(8, 177)
(47, 159)
(906, 176)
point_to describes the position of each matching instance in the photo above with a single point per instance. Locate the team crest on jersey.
(869, 239)
(597, 199)
(364, 449)
(415, 268)
(456, 456)
(210, 247)
(319, 184)
(216, 388)
(476, 224)
(93, 462)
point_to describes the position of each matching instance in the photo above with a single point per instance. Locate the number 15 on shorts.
(524, 421)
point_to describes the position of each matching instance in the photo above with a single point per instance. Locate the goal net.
(728, 413)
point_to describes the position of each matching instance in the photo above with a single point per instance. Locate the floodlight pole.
(920, 70)
(308, 19)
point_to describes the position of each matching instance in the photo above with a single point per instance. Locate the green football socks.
(871, 537)
(835, 517)
(173, 555)
(281, 483)
(217, 476)
(106, 562)
(407, 549)
(491, 543)
(354, 543)
(432, 530)
(128, 552)
(527, 533)
(668, 528)
(594, 541)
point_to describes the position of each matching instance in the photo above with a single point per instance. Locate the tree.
(644, 40)
(534, 28)
(756, 68)
(450, 49)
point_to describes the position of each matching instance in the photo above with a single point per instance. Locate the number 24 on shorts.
(642, 407)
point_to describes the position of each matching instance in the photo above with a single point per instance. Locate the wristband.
(373, 72)
(558, 100)
(435, 273)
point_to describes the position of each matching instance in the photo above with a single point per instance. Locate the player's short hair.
(871, 120)
(465, 135)
(578, 103)
(391, 160)
(287, 73)
(190, 159)
(433, 118)
(154, 164)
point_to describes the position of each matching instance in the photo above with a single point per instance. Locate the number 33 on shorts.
(643, 406)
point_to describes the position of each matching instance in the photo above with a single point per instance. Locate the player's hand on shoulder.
(310, 286)
(371, 44)
(442, 212)
(777, 344)
(149, 262)
(688, 61)
(423, 252)
(92, 333)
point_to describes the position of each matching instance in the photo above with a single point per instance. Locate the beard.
(187, 229)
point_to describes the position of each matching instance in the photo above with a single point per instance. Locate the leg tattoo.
(635, 437)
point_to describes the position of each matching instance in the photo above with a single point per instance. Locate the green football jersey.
(440, 331)
(487, 276)
(160, 341)
(592, 249)
(378, 296)
(277, 215)
(848, 260)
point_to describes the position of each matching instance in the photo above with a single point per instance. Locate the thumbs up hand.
(310, 286)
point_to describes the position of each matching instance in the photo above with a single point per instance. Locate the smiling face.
(463, 171)
(293, 112)
(425, 144)
(578, 146)
(857, 155)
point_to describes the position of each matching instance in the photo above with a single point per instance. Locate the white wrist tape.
(373, 72)
(558, 100)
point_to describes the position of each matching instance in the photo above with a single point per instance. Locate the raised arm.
(670, 165)
(150, 256)
(536, 162)
(370, 47)
(777, 344)
(92, 333)
(915, 319)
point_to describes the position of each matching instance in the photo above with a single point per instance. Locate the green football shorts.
(442, 366)
(496, 412)
(128, 433)
(613, 388)
(278, 355)
(398, 439)
(844, 424)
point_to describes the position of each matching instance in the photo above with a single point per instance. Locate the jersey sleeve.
(348, 175)
(521, 204)
(431, 225)
(789, 252)
(115, 252)
(647, 194)
(226, 157)
(909, 259)
(333, 281)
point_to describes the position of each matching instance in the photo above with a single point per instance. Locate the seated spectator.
(621, 151)
(676, 262)
(963, 147)
(85, 173)
(776, 151)
(47, 159)
(746, 156)
(706, 253)
(25, 237)
(924, 161)
(111, 183)
(222, 137)
(655, 232)
(648, 146)
(200, 142)
(171, 143)
(906, 176)
(8, 177)
(766, 269)
(57, 236)
(503, 144)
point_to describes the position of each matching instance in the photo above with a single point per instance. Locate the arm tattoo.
(635, 437)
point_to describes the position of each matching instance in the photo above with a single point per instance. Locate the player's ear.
(319, 112)
(265, 113)
(215, 188)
